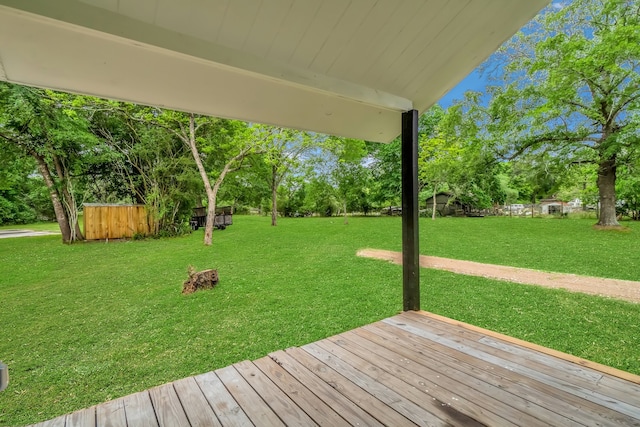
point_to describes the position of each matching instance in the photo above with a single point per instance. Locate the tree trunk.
(61, 215)
(211, 210)
(211, 197)
(533, 202)
(435, 204)
(72, 210)
(212, 192)
(68, 199)
(346, 220)
(607, 192)
(274, 196)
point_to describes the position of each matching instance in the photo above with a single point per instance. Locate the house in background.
(576, 205)
(554, 206)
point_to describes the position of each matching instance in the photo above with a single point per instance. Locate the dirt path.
(614, 288)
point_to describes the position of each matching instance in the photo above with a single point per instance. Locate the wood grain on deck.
(415, 368)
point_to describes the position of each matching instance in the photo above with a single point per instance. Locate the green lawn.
(86, 323)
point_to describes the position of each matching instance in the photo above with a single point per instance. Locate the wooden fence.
(103, 222)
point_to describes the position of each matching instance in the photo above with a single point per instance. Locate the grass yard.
(86, 323)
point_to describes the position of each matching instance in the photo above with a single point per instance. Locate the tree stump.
(197, 280)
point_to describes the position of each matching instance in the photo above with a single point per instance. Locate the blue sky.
(475, 81)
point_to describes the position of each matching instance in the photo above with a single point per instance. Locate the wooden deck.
(410, 369)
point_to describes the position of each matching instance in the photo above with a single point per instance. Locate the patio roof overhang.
(347, 68)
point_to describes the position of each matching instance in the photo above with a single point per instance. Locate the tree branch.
(542, 139)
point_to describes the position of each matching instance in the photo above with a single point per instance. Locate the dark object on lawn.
(392, 211)
(223, 218)
(4, 376)
(197, 280)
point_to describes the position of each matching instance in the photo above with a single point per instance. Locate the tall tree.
(456, 155)
(320, 196)
(385, 163)
(249, 186)
(342, 160)
(572, 90)
(283, 150)
(385, 160)
(224, 146)
(45, 125)
(439, 164)
(542, 176)
(198, 133)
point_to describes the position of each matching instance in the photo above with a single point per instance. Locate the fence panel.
(103, 222)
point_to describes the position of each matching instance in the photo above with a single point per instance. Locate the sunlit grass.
(85, 323)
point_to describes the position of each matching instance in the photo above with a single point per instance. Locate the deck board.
(278, 400)
(374, 380)
(441, 359)
(227, 410)
(539, 361)
(426, 388)
(82, 418)
(350, 390)
(321, 413)
(167, 406)
(56, 422)
(559, 379)
(350, 411)
(569, 378)
(255, 407)
(196, 407)
(111, 414)
(412, 369)
(449, 386)
(139, 410)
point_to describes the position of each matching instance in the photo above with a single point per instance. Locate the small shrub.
(174, 230)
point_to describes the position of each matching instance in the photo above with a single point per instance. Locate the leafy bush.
(15, 211)
(174, 230)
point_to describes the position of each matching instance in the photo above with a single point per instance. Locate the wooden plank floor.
(410, 369)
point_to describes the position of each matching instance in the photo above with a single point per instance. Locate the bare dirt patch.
(621, 289)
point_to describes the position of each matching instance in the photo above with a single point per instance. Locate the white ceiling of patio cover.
(347, 68)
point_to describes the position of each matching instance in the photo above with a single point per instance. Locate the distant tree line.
(561, 119)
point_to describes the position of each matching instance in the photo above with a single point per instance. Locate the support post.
(410, 241)
(4, 376)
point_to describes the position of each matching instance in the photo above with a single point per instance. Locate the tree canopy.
(571, 92)
(561, 118)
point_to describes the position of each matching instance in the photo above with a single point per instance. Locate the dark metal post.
(410, 241)
(4, 376)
